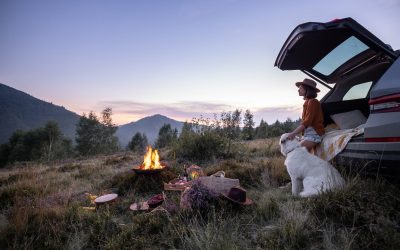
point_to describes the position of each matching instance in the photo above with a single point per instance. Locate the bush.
(200, 146)
(45, 144)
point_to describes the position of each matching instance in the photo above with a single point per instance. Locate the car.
(362, 73)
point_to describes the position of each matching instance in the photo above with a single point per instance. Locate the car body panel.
(389, 83)
(382, 125)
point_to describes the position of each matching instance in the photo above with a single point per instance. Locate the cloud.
(181, 110)
(281, 113)
(187, 110)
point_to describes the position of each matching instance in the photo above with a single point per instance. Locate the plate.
(105, 198)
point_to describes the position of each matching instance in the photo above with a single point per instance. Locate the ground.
(42, 207)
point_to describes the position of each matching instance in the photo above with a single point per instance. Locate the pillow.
(349, 119)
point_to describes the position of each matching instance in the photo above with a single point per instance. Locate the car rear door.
(326, 51)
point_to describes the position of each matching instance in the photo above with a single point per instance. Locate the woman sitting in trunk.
(312, 119)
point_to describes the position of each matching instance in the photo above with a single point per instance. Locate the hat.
(309, 83)
(238, 195)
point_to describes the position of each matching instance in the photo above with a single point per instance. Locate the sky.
(178, 58)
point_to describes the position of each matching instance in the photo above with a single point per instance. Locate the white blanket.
(333, 142)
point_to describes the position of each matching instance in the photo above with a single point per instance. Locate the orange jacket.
(312, 116)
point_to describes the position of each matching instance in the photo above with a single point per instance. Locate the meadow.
(42, 207)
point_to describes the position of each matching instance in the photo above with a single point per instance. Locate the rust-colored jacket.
(312, 116)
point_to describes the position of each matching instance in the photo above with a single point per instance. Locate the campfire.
(151, 162)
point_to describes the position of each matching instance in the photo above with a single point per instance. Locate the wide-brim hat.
(309, 83)
(238, 195)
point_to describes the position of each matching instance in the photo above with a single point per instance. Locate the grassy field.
(42, 207)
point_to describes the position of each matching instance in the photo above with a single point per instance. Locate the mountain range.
(19, 110)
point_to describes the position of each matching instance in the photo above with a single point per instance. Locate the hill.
(19, 110)
(149, 125)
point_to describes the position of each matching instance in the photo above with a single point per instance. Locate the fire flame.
(151, 160)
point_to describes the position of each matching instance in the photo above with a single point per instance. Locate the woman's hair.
(310, 92)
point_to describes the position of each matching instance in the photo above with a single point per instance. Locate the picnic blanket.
(333, 142)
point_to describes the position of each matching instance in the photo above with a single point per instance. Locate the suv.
(362, 73)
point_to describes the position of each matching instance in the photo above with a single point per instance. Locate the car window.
(339, 55)
(358, 91)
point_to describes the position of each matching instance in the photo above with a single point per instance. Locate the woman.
(312, 119)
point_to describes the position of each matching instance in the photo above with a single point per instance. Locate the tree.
(87, 131)
(231, 126)
(95, 137)
(4, 154)
(166, 136)
(276, 129)
(248, 128)
(109, 142)
(262, 130)
(45, 144)
(52, 135)
(138, 142)
(18, 150)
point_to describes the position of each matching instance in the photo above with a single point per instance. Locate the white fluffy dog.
(309, 173)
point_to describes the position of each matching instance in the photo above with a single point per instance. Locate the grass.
(41, 208)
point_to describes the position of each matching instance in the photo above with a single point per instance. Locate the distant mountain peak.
(149, 125)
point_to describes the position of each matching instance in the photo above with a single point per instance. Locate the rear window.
(339, 55)
(359, 91)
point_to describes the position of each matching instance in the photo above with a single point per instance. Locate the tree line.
(198, 139)
(205, 139)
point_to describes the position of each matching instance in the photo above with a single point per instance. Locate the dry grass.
(41, 208)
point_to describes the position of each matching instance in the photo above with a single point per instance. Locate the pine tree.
(166, 136)
(138, 142)
(248, 126)
(262, 130)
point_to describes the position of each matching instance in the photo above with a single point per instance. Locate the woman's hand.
(291, 136)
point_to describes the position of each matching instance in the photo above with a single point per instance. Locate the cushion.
(349, 119)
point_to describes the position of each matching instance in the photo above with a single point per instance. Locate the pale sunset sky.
(178, 58)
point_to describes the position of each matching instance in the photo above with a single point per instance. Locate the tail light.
(383, 139)
(389, 103)
(385, 104)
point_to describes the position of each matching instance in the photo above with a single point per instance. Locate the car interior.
(338, 99)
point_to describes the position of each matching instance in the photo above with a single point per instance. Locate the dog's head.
(288, 145)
